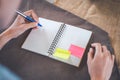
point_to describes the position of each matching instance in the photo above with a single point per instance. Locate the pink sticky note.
(76, 51)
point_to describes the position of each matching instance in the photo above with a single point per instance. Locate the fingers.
(90, 55)
(19, 20)
(32, 13)
(103, 51)
(107, 53)
(104, 48)
(30, 25)
(98, 48)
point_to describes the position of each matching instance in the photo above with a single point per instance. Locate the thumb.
(90, 55)
(31, 25)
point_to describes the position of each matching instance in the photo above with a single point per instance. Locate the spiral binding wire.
(56, 39)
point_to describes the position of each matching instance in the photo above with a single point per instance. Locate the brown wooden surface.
(31, 66)
(103, 13)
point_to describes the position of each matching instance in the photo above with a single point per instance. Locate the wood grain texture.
(103, 13)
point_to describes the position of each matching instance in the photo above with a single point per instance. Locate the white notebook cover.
(39, 40)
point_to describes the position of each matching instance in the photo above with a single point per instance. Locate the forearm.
(4, 38)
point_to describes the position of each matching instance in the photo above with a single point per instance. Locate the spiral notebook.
(59, 41)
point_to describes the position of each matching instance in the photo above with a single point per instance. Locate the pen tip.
(39, 25)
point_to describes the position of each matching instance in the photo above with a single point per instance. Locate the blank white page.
(39, 40)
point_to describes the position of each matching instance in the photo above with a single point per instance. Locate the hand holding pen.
(29, 18)
(20, 25)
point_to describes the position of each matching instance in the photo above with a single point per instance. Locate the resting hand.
(101, 64)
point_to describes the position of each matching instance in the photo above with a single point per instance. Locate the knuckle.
(104, 46)
(108, 51)
(105, 49)
(29, 11)
(18, 17)
(32, 10)
(98, 44)
(107, 55)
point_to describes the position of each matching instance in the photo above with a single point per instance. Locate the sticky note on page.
(76, 51)
(61, 53)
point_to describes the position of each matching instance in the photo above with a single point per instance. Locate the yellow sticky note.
(61, 53)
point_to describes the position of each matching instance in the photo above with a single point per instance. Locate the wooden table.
(31, 66)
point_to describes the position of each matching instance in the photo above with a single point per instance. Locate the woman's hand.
(101, 64)
(20, 25)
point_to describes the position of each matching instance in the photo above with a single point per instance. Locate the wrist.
(5, 37)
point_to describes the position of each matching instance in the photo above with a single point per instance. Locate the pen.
(28, 18)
